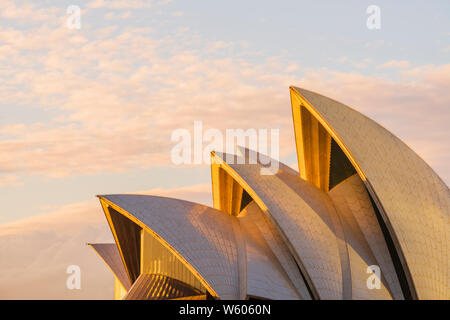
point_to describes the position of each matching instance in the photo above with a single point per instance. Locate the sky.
(91, 110)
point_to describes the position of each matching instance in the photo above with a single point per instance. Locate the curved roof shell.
(309, 235)
(227, 254)
(200, 236)
(413, 201)
(322, 230)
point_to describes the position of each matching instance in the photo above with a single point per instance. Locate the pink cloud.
(26, 12)
(35, 253)
(124, 4)
(122, 94)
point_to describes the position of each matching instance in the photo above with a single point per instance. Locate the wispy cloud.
(35, 253)
(25, 11)
(122, 91)
(121, 4)
(395, 64)
(122, 95)
(379, 43)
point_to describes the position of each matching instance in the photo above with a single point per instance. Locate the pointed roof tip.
(218, 153)
(301, 90)
(103, 196)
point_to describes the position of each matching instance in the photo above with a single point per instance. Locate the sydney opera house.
(361, 200)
